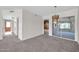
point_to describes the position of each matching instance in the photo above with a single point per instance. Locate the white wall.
(77, 26)
(15, 26)
(32, 25)
(73, 12)
(19, 19)
(45, 17)
(1, 32)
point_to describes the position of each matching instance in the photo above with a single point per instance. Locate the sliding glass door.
(65, 28)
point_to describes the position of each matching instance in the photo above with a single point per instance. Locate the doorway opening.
(46, 26)
(8, 27)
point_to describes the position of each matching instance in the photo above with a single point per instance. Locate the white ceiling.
(41, 10)
(46, 10)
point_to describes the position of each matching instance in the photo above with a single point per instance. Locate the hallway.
(41, 43)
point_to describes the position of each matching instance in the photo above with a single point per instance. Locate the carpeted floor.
(42, 43)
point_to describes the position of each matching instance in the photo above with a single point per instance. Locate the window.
(64, 25)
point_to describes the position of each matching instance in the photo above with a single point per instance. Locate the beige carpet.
(43, 43)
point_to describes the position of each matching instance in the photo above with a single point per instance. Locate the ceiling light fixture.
(11, 11)
(55, 17)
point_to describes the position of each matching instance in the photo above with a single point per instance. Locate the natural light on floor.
(8, 33)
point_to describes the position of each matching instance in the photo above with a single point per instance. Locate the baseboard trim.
(32, 37)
